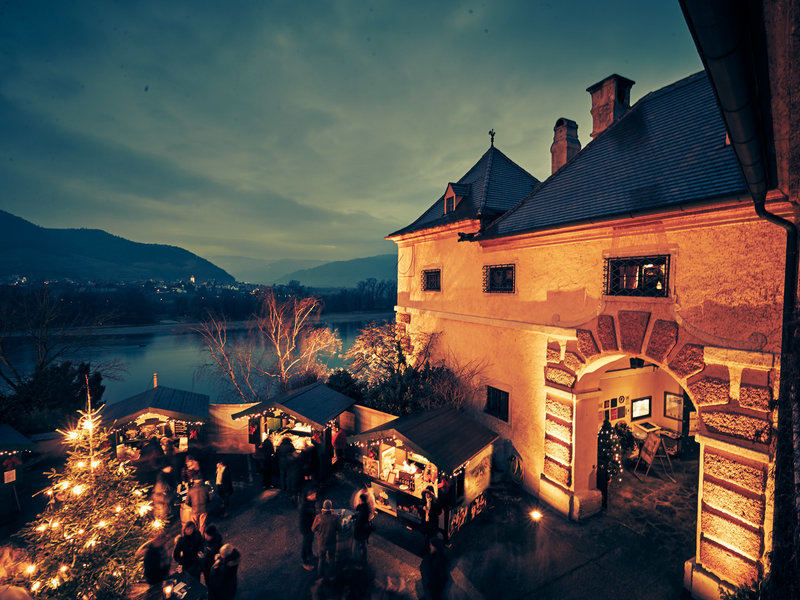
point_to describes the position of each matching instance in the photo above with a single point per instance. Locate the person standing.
(434, 570)
(198, 498)
(285, 454)
(163, 494)
(187, 550)
(212, 542)
(432, 510)
(222, 578)
(326, 526)
(362, 528)
(267, 452)
(339, 448)
(308, 513)
(224, 484)
(156, 561)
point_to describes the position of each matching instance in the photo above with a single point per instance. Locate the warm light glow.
(88, 425)
(102, 524)
(30, 569)
(144, 508)
(41, 527)
(54, 582)
(36, 586)
(95, 464)
(167, 591)
(54, 524)
(82, 464)
(117, 508)
(63, 568)
(536, 515)
(78, 489)
(158, 524)
(73, 435)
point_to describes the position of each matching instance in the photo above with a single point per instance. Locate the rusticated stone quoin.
(558, 451)
(557, 429)
(606, 332)
(733, 534)
(586, 343)
(573, 361)
(744, 475)
(403, 317)
(557, 472)
(662, 340)
(553, 356)
(559, 376)
(755, 397)
(734, 503)
(710, 390)
(689, 360)
(727, 564)
(559, 409)
(632, 327)
(739, 426)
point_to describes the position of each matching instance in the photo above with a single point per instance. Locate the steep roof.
(668, 149)
(172, 403)
(316, 404)
(12, 440)
(492, 186)
(444, 436)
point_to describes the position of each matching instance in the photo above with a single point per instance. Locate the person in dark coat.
(310, 460)
(156, 562)
(212, 542)
(285, 453)
(362, 528)
(435, 570)
(187, 549)
(431, 509)
(295, 477)
(222, 579)
(326, 526)
(308, 512)
(224, 483)
(267, 452)
(339, 448)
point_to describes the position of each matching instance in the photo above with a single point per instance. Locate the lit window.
(637, 276)
(498, 279)
(497, 403)
(432, 280)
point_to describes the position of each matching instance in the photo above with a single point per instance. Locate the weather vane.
(491, 135)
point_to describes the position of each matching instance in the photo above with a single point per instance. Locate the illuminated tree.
(84, 544)
(383, 350)
(609, 453)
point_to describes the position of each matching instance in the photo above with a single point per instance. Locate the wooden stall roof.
(12, 440)
(316, 404)
(444, 436)
(169, 402)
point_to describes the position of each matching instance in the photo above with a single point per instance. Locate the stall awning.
(444, 436)
(170, 403)
(316, 404)
(12, 440)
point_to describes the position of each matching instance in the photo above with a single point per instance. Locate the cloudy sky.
(297, 129)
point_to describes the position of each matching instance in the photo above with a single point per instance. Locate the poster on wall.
(673, 405)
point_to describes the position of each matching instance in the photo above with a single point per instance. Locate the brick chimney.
(611, 98)
(565, 143)
(155, 380)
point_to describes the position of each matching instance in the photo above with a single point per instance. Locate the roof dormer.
(454, 194)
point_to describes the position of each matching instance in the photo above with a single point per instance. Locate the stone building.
(637, 278)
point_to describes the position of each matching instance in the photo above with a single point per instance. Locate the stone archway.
(732, 391)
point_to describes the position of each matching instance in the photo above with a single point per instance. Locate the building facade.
(634, 279)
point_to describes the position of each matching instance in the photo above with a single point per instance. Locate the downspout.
(726, 44)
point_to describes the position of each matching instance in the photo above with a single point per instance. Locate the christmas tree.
(84, 544)
(609, 452)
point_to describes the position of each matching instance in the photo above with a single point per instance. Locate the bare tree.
(284, 341)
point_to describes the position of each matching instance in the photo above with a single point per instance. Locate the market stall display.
(442, 452)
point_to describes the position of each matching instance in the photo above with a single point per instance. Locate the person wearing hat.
(326, 526)
(222, 579)
(434, 570)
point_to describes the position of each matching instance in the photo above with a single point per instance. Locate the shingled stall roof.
(316, 404)
(12, 440)
(171, 403)
(491, 187)
(667, 150)
(444, 436)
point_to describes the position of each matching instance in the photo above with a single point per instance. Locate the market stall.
(13, 447)
(442, 451)
(298, 415)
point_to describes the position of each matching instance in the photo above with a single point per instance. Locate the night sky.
(304, 130)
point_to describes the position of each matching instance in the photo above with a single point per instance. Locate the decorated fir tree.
(83, 545)
(609, 452)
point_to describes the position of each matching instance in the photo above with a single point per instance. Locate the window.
(432, 280)
(637, 276)
(449, 204)
(641, 408)
(497, 403)
(498, 279)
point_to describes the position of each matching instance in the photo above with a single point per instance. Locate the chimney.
(155, 380)
(611, 98)
(565, 143)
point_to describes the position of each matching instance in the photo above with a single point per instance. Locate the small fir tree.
(609, 452)
(84, 544)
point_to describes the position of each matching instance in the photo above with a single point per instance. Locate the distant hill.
(346, 273)
(262, 271)
(39, 253)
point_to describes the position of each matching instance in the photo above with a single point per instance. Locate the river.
(180, 358)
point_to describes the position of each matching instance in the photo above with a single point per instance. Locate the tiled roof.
(492, 186)
(444, 436)
(668, 149)
(172, 403)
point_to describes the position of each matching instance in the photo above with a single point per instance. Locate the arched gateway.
(731, 390)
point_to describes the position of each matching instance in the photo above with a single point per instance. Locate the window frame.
(499, 412)
(487, 279)
(424, 280)
(615, 282)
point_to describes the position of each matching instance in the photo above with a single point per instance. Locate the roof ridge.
(485, 192)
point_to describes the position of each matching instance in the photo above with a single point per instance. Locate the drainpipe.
(730, 44)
